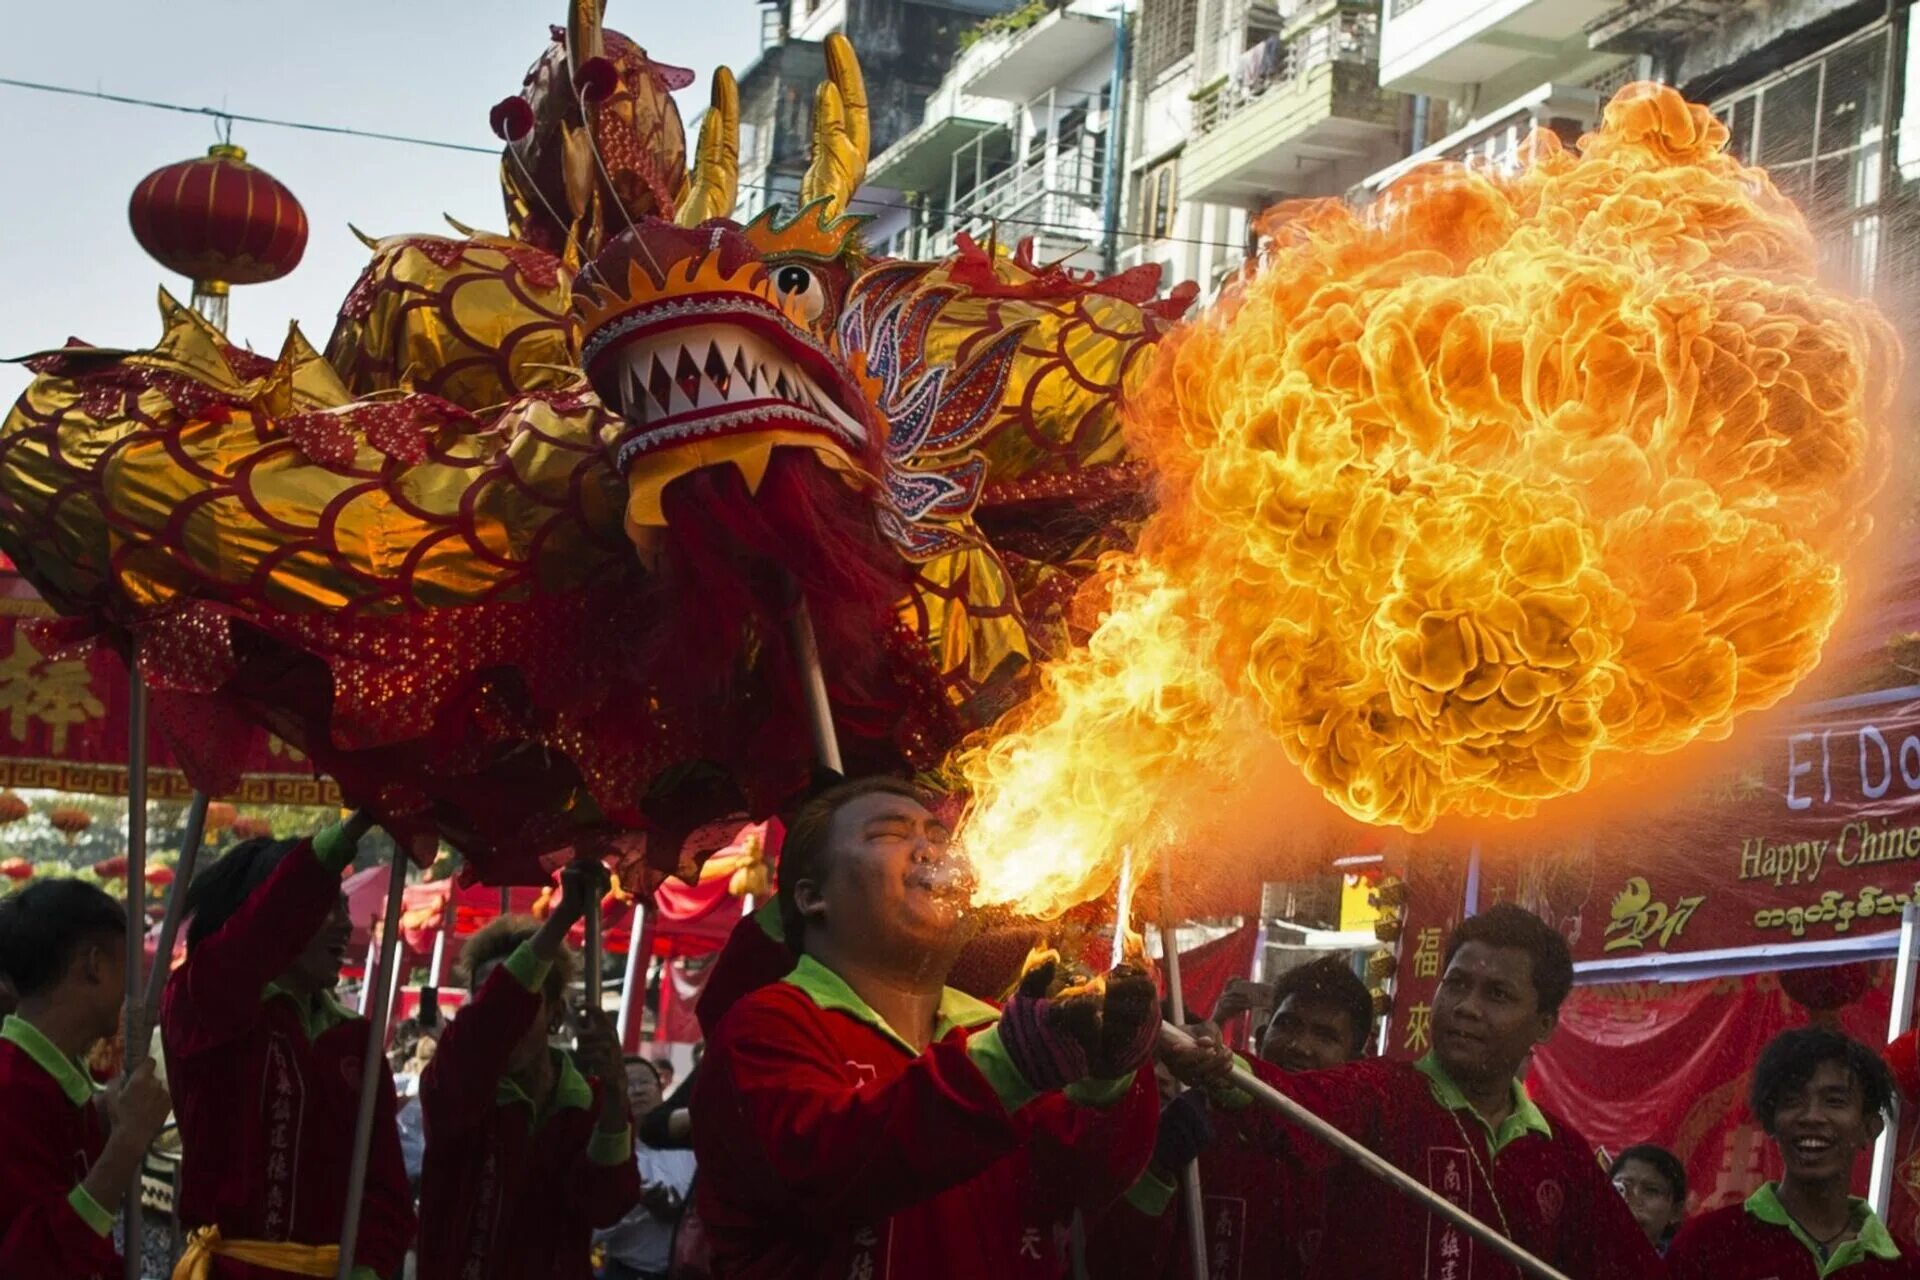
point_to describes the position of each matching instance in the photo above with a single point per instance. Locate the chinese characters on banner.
(63, 726)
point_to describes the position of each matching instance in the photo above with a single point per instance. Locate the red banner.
(63, 726)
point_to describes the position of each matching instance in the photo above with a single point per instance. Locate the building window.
(1164, 34)
(1158, 199)
(1816, 127)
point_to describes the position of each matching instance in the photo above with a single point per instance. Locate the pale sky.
(427, 68)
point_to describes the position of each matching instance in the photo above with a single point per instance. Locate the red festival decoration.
(160, 876)
(12, 808)
(69, 821)
(16, 869)
(219, 221)
(114, 868)
(250, 826)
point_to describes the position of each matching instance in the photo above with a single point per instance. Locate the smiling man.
(860, 1118)
(1460, 1121)
(265, 1068)
(1823, 1098)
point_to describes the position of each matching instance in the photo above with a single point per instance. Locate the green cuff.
(528, 969)
(991, 1057)
(364, 1273)
(90, 1211)
(610, 1148)
(333, 848)
(1098, 1093)
(1226, 1095)
(1151, 1195)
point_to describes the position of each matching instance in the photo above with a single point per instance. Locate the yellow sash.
(204, 1245)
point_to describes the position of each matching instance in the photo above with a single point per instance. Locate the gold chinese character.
(1419, 1029)
(58, 694)
(1426, 954)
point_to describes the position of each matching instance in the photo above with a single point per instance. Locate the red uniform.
(828, 1149)
(1759, 1241)
(756, 953)
(1263, 1202)
(504, 1192)
(1537, 1180)
(50, 1135)
(266, 1089)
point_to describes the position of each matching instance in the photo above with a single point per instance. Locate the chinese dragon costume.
(514, 557)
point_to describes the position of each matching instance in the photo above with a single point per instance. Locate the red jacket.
(1757, 1241)
(502, 1194)
(50, 1135)
(828, 1149)
(1548, 1193)
(266, 1103)
(1263, 1201)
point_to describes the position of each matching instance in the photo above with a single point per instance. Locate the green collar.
(67, 1072)
(317, 1016)
(1871, 1238)
(570, 1089)
(1524, 1119)
(829, 990)
(768, 918)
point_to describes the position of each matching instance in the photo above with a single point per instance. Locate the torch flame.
(1507, 483)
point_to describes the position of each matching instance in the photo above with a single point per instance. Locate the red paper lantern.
(1825, 988)
(249, 827)
(16, 869)
(114, 868)
(158, 875)
(220, 817)
(12, 808)
(69, 821)
(219, 221)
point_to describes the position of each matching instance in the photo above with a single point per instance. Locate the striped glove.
(1050, 1033)
(1129, 1024)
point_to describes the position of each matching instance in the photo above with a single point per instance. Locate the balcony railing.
(1351, 39)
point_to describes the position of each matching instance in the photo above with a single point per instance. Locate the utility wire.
(220, 114)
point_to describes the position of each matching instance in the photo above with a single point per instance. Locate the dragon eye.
(801, 290)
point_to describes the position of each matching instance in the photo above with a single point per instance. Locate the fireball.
(1511, 482)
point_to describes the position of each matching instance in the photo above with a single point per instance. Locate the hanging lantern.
(247, 826)
(114, 868)
(69, 821)
(220, 817)
(218, 221)
(16, 869)
(160, 876)
(12, 808)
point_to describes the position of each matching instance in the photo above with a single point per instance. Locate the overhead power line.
(221, 114)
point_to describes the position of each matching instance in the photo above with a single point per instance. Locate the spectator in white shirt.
(640, 1246)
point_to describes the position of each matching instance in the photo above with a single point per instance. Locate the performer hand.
(138, 1106)
(1186, 1129)
(1049, 1031)
(597, 1048)
(1203, 1063)
(1129, 1023)
(585, 880)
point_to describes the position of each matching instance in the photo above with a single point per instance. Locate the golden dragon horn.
(840, 134)
(583, 32)
(714, 181)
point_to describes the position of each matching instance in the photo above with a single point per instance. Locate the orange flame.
(1505, 484)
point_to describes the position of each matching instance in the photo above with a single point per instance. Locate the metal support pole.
(595, 951)
(170, 924)
(1880, 1180)
(1116, 169)
(1371, 1161)
(1190, 1176)
(133, 1212)
(636, 975)
(370, 1065)
(813, 684)
(437, 967)
(506, 901)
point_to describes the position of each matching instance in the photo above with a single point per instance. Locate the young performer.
(68, 1155)
(1823, 1098)
(525, 1154)
(859, 1118)
(1460, 1121)
(265, 1066)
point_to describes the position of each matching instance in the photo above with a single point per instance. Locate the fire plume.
(1506, 484)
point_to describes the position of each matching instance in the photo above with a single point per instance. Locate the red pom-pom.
(1903, 1059)
(511, 118)
(1825, 988)
(596, 79)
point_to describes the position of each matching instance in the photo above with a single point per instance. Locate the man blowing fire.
(861, 1118)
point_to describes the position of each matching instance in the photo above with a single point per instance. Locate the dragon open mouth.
(706, 370)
